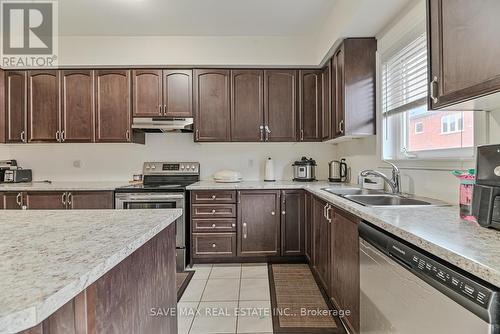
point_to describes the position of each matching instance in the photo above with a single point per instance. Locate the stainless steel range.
(164, 187)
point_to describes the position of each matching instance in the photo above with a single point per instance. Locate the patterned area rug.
(182, 280)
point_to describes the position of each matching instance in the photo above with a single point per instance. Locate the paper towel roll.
(269, 172)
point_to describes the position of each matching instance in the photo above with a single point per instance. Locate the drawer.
(214, 225)
(213, 211)
(213, 196)
(214, 244)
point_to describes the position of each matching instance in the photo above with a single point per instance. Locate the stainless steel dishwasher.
(405, 290)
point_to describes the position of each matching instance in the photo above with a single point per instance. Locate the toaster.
(17, 175)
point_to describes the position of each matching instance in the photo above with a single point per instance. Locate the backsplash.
(117, 162)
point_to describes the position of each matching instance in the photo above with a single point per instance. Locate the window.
(419, 127)
(410, 130)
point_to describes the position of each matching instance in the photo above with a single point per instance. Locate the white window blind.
(404, 77)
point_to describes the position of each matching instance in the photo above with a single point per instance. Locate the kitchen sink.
(377, 198)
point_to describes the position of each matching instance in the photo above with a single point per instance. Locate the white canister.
(269, 171)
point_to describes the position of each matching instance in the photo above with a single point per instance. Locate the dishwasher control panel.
(477, 293)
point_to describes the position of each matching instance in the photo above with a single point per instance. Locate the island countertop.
(438, 230)
(47, 257)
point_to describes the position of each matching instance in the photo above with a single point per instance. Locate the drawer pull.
(273, 213)
(213, 211)
(283, 213)
(233, 225)
(214, 197)
(244, 230)
(214, 245)
(213, 225)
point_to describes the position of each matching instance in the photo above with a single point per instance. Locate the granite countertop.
(438, 230)
(63, 186)
(48, 257)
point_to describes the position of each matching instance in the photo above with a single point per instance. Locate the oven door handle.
(146, 198)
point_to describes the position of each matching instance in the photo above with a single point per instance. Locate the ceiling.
(192, 17)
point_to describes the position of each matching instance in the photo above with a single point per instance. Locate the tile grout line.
(199, 302)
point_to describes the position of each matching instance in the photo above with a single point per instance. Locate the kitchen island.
(80, 271)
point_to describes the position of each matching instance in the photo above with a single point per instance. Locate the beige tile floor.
(226, 298)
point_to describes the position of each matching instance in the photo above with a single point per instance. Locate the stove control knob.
(148, 167)
(193, 167)
(182, 167)
(153, 167)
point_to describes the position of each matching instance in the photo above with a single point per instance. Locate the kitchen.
(255, 159)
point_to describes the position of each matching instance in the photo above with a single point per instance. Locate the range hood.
(163, 124)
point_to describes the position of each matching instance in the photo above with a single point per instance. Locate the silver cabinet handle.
(63, 198)
(244, 230)
(268, 131)
(164, 110)
(432, 90)
(19, 199)
(301, 134)
(70, 199)
(58, 136)
(63, 136)
(160, 108)
(341, 126)
(127, 135)
(213, 211)
(214, 245)
(197, 135)
(23, 136)
(324, 210)
(261, 129)
(328, 208)
(214, 197)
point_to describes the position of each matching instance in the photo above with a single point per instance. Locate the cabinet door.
(310, 105)
(77, 93)
(88, 200)
(178, 93)
(280, 104)
(344, 287)
(46, 200)
(309, 227)
(212, 114)
(321, 243)
(338, 118)
(12, 201)
(464, 49)
(113, 109)
(326, 109)
(16, 94)
(247, 105)
(43, 106)
(258, 229)
(292, 222)
(147, 93)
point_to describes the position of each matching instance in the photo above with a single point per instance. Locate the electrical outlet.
(77, 163)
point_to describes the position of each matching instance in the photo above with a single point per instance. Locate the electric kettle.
(337, 171)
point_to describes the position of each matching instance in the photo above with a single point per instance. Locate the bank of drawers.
(213, 223)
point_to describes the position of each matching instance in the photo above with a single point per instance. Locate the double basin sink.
(374, 198)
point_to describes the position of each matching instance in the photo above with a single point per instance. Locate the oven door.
(131, 201)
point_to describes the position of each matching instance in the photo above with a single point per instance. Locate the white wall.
(110, 162)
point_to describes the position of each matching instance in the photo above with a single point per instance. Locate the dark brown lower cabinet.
(12, 200)
(308, 208)
(45, 200)
(57, 200)
(88, 200)
(124, 299)
(258, 223)
(292, 222)
(344, 286)
(321, 243)
(214, 245)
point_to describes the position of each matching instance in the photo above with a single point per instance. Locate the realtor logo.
(29, 36)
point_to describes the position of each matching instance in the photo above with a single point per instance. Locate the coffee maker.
(6, 165)
(486, 197)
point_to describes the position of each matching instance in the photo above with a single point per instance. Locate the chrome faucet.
(394, 183)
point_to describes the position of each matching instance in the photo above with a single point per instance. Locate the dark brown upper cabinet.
(247, 105)
(16, 94)
(77, 110)
(147, 93)
(280, 105)
(113, 106)
(292, 222)
(258, 230)
(158, 93)
(44, 106)
(310, 105)
(178, 93)
(353, 88)
(212, 105)
(464, 49)
(326, 108)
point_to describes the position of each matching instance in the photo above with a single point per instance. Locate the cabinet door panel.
(16, 94)
(464, 49)
(77, 92)
(280, 105)
(344, 287)
(178, 93)
(247, 102)
(326, 95)
(113, 109)
(338, 93)
(321, 243)
(147, 93)
(310, 105)
(258, 230)
(309, 227)
(88, 200)
(212, 119)
(43, 106)
(12, 201)
(46, 200)
(292, 222)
